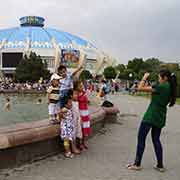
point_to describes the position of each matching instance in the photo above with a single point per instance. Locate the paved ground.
(110, 150)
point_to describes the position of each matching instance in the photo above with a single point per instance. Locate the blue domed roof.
(37, 36)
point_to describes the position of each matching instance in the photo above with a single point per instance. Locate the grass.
(178, 101)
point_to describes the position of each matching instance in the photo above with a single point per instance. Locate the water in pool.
(24, 108)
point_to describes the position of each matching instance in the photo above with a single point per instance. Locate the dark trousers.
(155, 134)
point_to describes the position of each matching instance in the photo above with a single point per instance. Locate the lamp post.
(128, 84)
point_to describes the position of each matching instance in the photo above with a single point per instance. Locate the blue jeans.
(155, 135)
(63, 95)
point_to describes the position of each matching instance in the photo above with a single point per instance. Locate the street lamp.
(128, 83)
(130, 75)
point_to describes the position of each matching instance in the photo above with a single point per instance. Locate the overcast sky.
(123, 28)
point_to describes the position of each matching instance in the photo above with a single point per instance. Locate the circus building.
(54, 46)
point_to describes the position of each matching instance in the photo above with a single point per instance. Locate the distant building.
(54, 46)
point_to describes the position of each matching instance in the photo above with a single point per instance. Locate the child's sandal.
(85, 145)
(69, 155)
(77, 151)
(81, 147)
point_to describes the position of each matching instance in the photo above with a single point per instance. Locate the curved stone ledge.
(31, 139)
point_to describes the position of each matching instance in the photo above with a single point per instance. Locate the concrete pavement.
(110, 150)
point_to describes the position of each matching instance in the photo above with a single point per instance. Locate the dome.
(33, 34)
(53, 45)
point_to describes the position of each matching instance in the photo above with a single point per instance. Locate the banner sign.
(70, 58)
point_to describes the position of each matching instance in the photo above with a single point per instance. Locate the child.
(7, 105)
(68, 129)
(53, 98)
(39, 101)
(84, 113)
(66, 83)
(76, 116)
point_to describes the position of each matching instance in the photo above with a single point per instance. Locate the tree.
(120, 68)
(31, 69)
(109, 72)
(152, 64)
(85, 75)
(136, 65)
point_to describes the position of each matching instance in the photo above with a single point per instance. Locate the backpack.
(107, 104)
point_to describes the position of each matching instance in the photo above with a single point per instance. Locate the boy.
(66, 83)
(53, 98)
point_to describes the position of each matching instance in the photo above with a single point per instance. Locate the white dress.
(77, 119)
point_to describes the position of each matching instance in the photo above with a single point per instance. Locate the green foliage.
(128, 74)
(136, 65)
(120, 68)
(109, 72)
(152, 64)
(85, 75)
(31, 69)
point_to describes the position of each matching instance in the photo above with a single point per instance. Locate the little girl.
(84, 113)
(68, 129)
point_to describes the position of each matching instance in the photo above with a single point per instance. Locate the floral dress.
(68, 126)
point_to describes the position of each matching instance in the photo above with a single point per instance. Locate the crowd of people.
(7, 84)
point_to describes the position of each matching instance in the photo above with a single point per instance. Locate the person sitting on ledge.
(53, 98)
(7, 105)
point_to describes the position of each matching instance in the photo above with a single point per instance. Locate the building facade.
(54, 46)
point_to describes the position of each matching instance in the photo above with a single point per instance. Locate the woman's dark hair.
(173, 84)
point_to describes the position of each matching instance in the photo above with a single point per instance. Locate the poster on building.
(70, 58)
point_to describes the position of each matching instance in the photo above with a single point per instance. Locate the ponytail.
(173, 85)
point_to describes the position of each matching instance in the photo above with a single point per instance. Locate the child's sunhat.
(55, 76)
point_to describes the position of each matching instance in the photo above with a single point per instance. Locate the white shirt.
(66, 83)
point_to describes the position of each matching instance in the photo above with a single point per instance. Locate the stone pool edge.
(27, 142)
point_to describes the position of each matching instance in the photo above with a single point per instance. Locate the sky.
(124, 29)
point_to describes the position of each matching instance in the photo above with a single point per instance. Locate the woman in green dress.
(163, 95)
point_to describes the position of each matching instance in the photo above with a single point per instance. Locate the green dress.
(156, 112)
